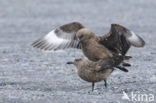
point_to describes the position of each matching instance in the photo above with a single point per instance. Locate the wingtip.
(33, 44)
(38, 44)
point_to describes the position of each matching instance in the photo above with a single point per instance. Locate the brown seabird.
(97, 71)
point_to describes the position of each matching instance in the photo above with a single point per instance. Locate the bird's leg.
(105, 83)
(92, 86)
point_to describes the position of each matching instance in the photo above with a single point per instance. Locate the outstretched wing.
(119, 39)
(60, 38)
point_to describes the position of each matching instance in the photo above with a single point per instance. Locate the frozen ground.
(28, 75)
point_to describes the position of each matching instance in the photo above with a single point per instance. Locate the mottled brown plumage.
(119, 39)
(95, 47)
(91, 47)
(96, 71)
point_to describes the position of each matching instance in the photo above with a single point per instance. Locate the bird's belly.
(106, 73)
(89, 76)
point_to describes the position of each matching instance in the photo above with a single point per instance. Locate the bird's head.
(77, 62)
(84, 34)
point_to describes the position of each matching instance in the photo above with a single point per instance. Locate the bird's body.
(88, 71)
(96, 71)
(95, 51)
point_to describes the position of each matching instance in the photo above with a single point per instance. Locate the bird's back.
(95, 51)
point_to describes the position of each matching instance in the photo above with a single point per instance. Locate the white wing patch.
(52, 42)
(53, 39)
(135, 40)
(133, 37)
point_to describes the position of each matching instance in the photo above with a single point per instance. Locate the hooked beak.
(70, 62)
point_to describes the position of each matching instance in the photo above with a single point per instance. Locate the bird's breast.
(94, 51)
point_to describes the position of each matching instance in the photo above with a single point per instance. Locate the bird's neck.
(87, 42)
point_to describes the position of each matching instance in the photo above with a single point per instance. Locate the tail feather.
(122, 68)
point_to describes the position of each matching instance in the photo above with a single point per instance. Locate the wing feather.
(120, 39)
(60, 38)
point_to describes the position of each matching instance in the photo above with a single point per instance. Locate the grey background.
(29, 75)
